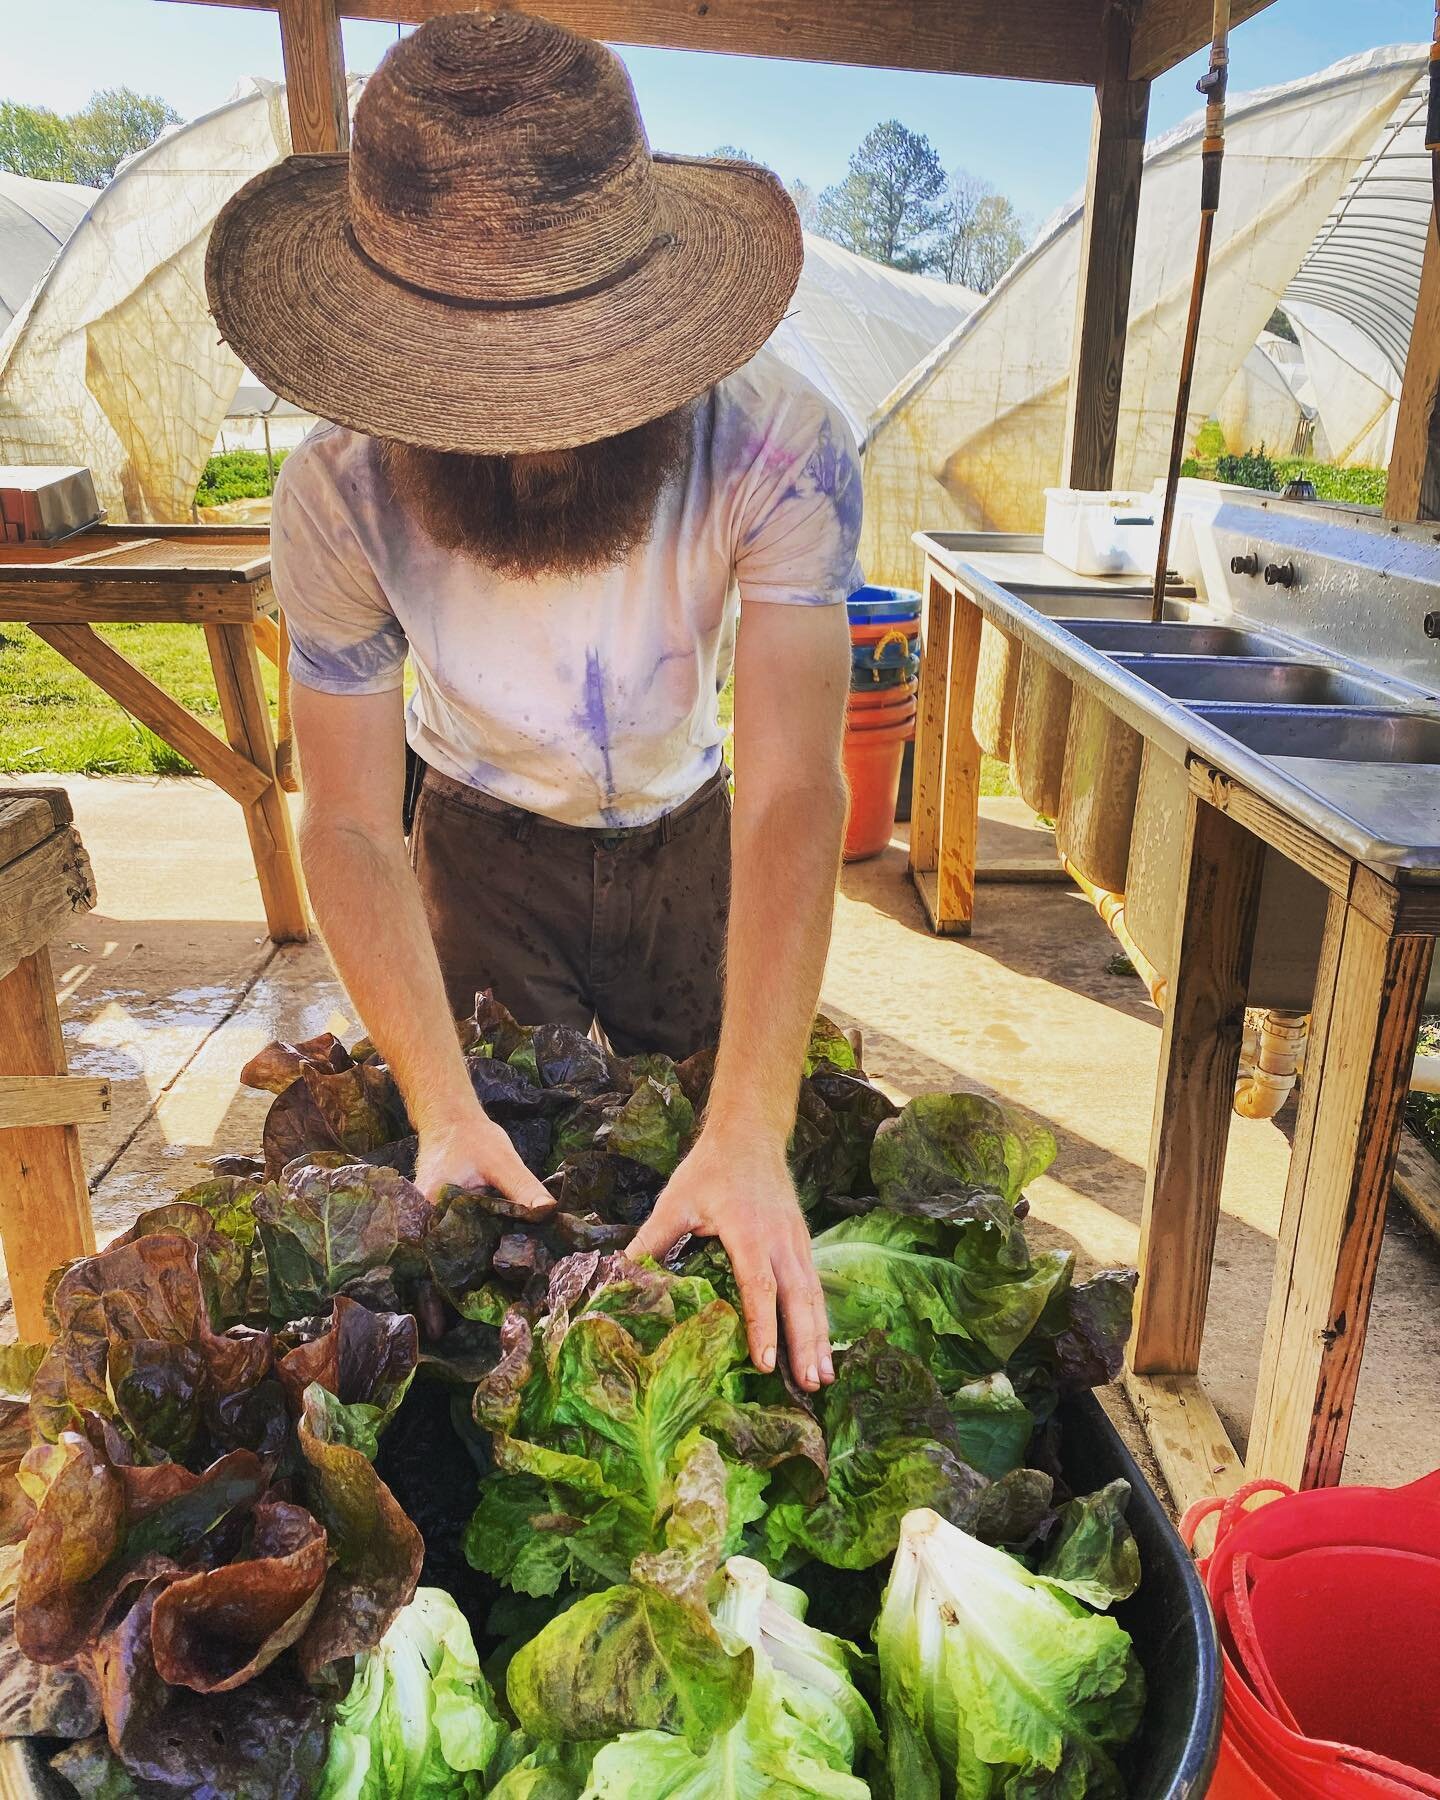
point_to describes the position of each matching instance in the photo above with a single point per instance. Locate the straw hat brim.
(308, 314)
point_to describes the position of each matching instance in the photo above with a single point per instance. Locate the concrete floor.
(171, 984)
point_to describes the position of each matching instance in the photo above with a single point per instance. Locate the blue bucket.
(887, 674)
(882, 605)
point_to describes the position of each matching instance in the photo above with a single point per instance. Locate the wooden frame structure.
(44, 882)
(215, 576)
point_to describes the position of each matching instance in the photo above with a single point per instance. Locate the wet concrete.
(170, 985)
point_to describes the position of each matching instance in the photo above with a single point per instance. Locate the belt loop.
(666, 831)
(520, 829)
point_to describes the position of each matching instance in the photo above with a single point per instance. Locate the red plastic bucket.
(1328, 1609)
(872, 699)
(876, 634)
(881, 718)
(872, 762)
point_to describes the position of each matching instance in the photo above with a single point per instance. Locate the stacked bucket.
(1327, 1605)
(880, 718)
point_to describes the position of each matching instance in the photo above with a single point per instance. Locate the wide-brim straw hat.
(499, 265)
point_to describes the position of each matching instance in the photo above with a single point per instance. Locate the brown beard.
(556, 512)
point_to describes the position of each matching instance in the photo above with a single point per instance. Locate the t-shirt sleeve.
(799, 516)
(344, 636)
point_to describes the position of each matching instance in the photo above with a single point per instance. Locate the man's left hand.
(740, 1192)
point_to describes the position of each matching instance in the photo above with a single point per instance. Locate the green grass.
(1422, 1111)
(52, 718)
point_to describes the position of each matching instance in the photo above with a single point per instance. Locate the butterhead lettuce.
(997, 1682)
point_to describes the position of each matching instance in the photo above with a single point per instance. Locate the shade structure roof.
(36, 217)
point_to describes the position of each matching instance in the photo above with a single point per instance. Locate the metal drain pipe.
(1111, 908)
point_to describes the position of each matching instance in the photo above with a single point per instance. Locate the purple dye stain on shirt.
(595, 722)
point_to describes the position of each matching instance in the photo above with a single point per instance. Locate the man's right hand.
(473, 1152)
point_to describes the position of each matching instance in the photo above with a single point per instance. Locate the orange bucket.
(872, 760)
(881, 699)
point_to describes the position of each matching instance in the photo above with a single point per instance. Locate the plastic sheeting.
(36, 217)
(974, 438)
(115, 362)
(1267, 404)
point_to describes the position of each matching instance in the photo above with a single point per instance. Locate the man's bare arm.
(367, 904)
(792, 671)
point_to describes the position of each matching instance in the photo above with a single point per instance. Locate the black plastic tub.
(1168, 1618)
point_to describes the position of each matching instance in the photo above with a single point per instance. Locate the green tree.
(888, 206)
(89, 145)
(732, 153)
(981, 234)
(33, 141)
(112, 125)
(807, 202)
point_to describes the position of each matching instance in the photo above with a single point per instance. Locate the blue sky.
(803, 119)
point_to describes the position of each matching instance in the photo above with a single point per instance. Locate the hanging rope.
(1212, 152)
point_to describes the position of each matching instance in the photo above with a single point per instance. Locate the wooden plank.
(131, 688)
(960, 787)
(1191, 1446)
(287, 771)
(1413, 488)
(243, 705)
(1417, 1182)
(1168, 31)
(267, 639)
(927, 886)
(108, 600)
(929, 762)
(1362, 1038)
(40, 892)
(28, 816)
(314, 58)
(44, 1204)
(52, 1100)
(1328, 865)
(1216, 908)
(1107, 254)
(1044, 40)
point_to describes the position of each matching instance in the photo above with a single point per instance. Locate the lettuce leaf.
(955, 1143)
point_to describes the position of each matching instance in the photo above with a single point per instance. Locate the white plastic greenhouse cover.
(971, 441)
(36, 217)
(115, 362)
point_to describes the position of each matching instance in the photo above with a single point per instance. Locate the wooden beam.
(40, 892)
(930, 729)
(1044, 40)
(1216, 907)
(1368, 995)
(1191, 1446)
(960, 796)
(133, 689)
(1413, 489)
(52, 1100)
(1107, 253)
(236, 665)
(44, 1204)
(1168, 31)
(314, 55)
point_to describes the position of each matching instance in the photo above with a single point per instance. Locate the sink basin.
(1119, 637)
(1298, 731)
(1124, 610)
(1265, 680)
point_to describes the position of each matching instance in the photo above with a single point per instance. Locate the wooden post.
(246, 712)
(960, 800)
(44, 1201)
(314, 55)
(1368, 995)
(1218, 900)
(1107, 250)
(930, 733)
(1413, 489)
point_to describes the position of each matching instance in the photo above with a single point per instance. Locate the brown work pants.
(570, 926)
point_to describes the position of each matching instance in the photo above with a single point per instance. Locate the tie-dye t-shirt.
(590, 700)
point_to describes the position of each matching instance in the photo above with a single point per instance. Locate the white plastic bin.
(1101, 533)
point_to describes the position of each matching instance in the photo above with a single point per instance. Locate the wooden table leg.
(285, 767)
(44, 1202)
(1368, 996)
(1216, 908)
(246, 712)
(930, 736)
(960, 803)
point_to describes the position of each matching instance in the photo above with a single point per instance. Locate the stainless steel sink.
(1329, 736)
(1125, 610)
(1260, 679)
(1172, 638)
